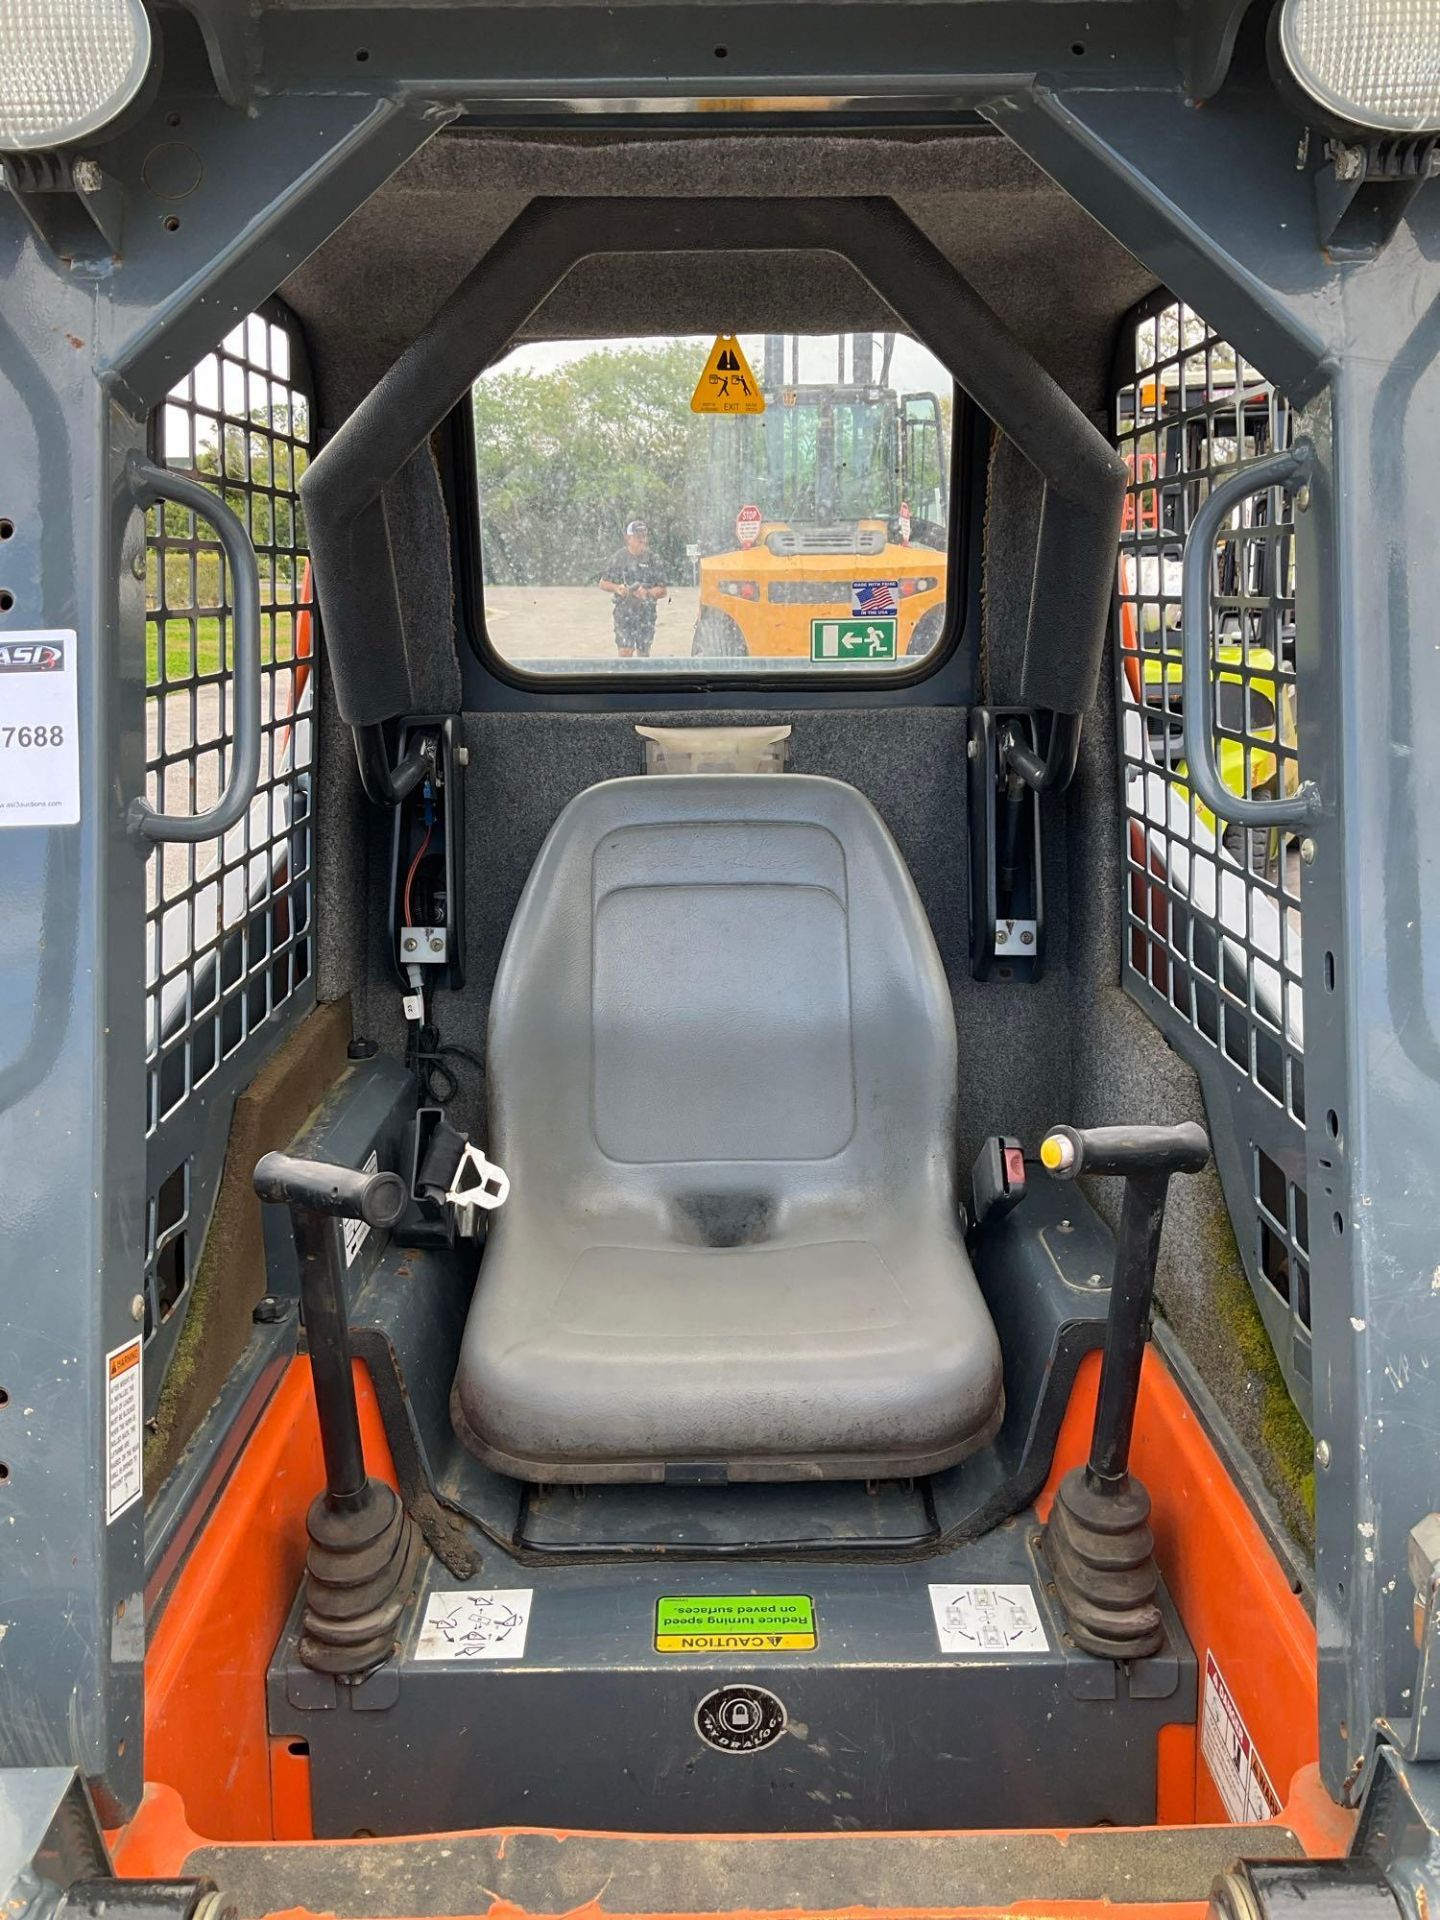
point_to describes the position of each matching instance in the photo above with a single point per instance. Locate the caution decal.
(727, 385)
(735, 1623)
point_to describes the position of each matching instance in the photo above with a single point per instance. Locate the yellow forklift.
(836, 498)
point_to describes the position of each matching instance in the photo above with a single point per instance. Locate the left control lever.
(364, 1548)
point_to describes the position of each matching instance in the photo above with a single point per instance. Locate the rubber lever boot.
(1098, 1542)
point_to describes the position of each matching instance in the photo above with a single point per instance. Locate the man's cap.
(636, 526)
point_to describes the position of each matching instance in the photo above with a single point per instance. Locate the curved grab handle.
(1290, 466)
(151, 484)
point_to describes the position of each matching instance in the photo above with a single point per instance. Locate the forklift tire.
(717, 636)
(928, 631)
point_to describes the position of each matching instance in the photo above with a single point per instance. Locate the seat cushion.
(815, 1360)
(722, 1079)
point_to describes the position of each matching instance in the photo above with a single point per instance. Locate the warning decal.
(727, 385)
(357, 1232)
(1235, 1766)
(124, 1428)
(735, 1623)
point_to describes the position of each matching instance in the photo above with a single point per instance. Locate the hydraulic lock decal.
(735, 1623)
(740, 1719)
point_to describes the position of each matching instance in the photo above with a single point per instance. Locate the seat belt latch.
(477, 1186)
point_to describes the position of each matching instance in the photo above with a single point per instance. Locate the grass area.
(180, 667)
(178, 664)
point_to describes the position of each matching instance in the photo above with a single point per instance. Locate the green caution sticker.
(735, 1623)
(864, 639)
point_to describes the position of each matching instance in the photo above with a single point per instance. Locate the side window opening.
(229, 922)
(1214, 931)
(619, 530)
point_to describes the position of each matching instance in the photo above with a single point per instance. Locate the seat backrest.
(720, 1016)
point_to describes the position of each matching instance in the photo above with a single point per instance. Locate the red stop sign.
(747, 526)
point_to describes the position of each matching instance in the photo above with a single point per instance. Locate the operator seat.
(722, 1081)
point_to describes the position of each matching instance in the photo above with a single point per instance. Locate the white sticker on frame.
(982, 1620)
(39, 729)
(476, 1623)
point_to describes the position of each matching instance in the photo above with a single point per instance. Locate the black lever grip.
(378, 1199)
(1066, 1152)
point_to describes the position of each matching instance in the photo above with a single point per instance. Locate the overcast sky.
(913, 368)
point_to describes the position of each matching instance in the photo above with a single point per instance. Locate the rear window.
(620, 531)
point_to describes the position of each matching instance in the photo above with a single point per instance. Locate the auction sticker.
(39, 729)
(740, 1719)
(735, 1623)
(1235, 1766)
(124, 1428)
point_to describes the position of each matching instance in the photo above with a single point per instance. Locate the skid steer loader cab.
(716, 1126)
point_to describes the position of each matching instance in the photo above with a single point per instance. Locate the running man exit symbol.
(844, 640)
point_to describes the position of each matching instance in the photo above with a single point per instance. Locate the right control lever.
(1098, 1541)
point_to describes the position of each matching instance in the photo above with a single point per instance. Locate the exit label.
(842, 640)
(735, 1623)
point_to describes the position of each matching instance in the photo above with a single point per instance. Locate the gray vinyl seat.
(722, 1081)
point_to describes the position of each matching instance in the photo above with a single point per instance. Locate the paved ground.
(528, 624)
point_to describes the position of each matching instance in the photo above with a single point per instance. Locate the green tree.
(565, 457)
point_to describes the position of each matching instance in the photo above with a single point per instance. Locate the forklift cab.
(659, 1273)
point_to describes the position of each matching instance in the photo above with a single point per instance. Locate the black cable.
(425, 1054)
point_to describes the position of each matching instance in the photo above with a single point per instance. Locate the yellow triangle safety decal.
(727, 385)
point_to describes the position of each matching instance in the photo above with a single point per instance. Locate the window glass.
(621, 531)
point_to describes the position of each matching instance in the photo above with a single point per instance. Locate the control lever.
(1098, 1541)
(364, 1548)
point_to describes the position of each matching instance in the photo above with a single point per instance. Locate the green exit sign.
(845, 640)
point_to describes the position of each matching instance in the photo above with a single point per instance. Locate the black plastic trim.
(343, 489)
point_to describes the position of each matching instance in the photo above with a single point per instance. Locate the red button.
(1014, 1167)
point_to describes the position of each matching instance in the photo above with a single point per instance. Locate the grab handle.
(151, 485)
(1288, 467)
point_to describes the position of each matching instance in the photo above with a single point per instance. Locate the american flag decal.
(874, 596)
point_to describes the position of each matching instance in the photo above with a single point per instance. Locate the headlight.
(67, 68)
(1374, 63)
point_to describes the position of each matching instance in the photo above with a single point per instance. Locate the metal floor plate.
(544, 1873)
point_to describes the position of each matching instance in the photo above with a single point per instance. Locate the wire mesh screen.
(228, 921)
(1213, 927)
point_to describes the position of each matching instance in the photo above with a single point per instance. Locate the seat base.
(867, 1466)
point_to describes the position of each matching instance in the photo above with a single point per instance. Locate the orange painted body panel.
(205, 1732)
(219, 1776)
(1230, 1590)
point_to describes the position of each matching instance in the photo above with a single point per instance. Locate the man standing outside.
(637, 581)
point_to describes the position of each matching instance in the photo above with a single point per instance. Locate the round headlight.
(1374, 63)
(67, 68)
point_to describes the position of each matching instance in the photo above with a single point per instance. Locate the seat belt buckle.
(997, 1183)
(477, 1186)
